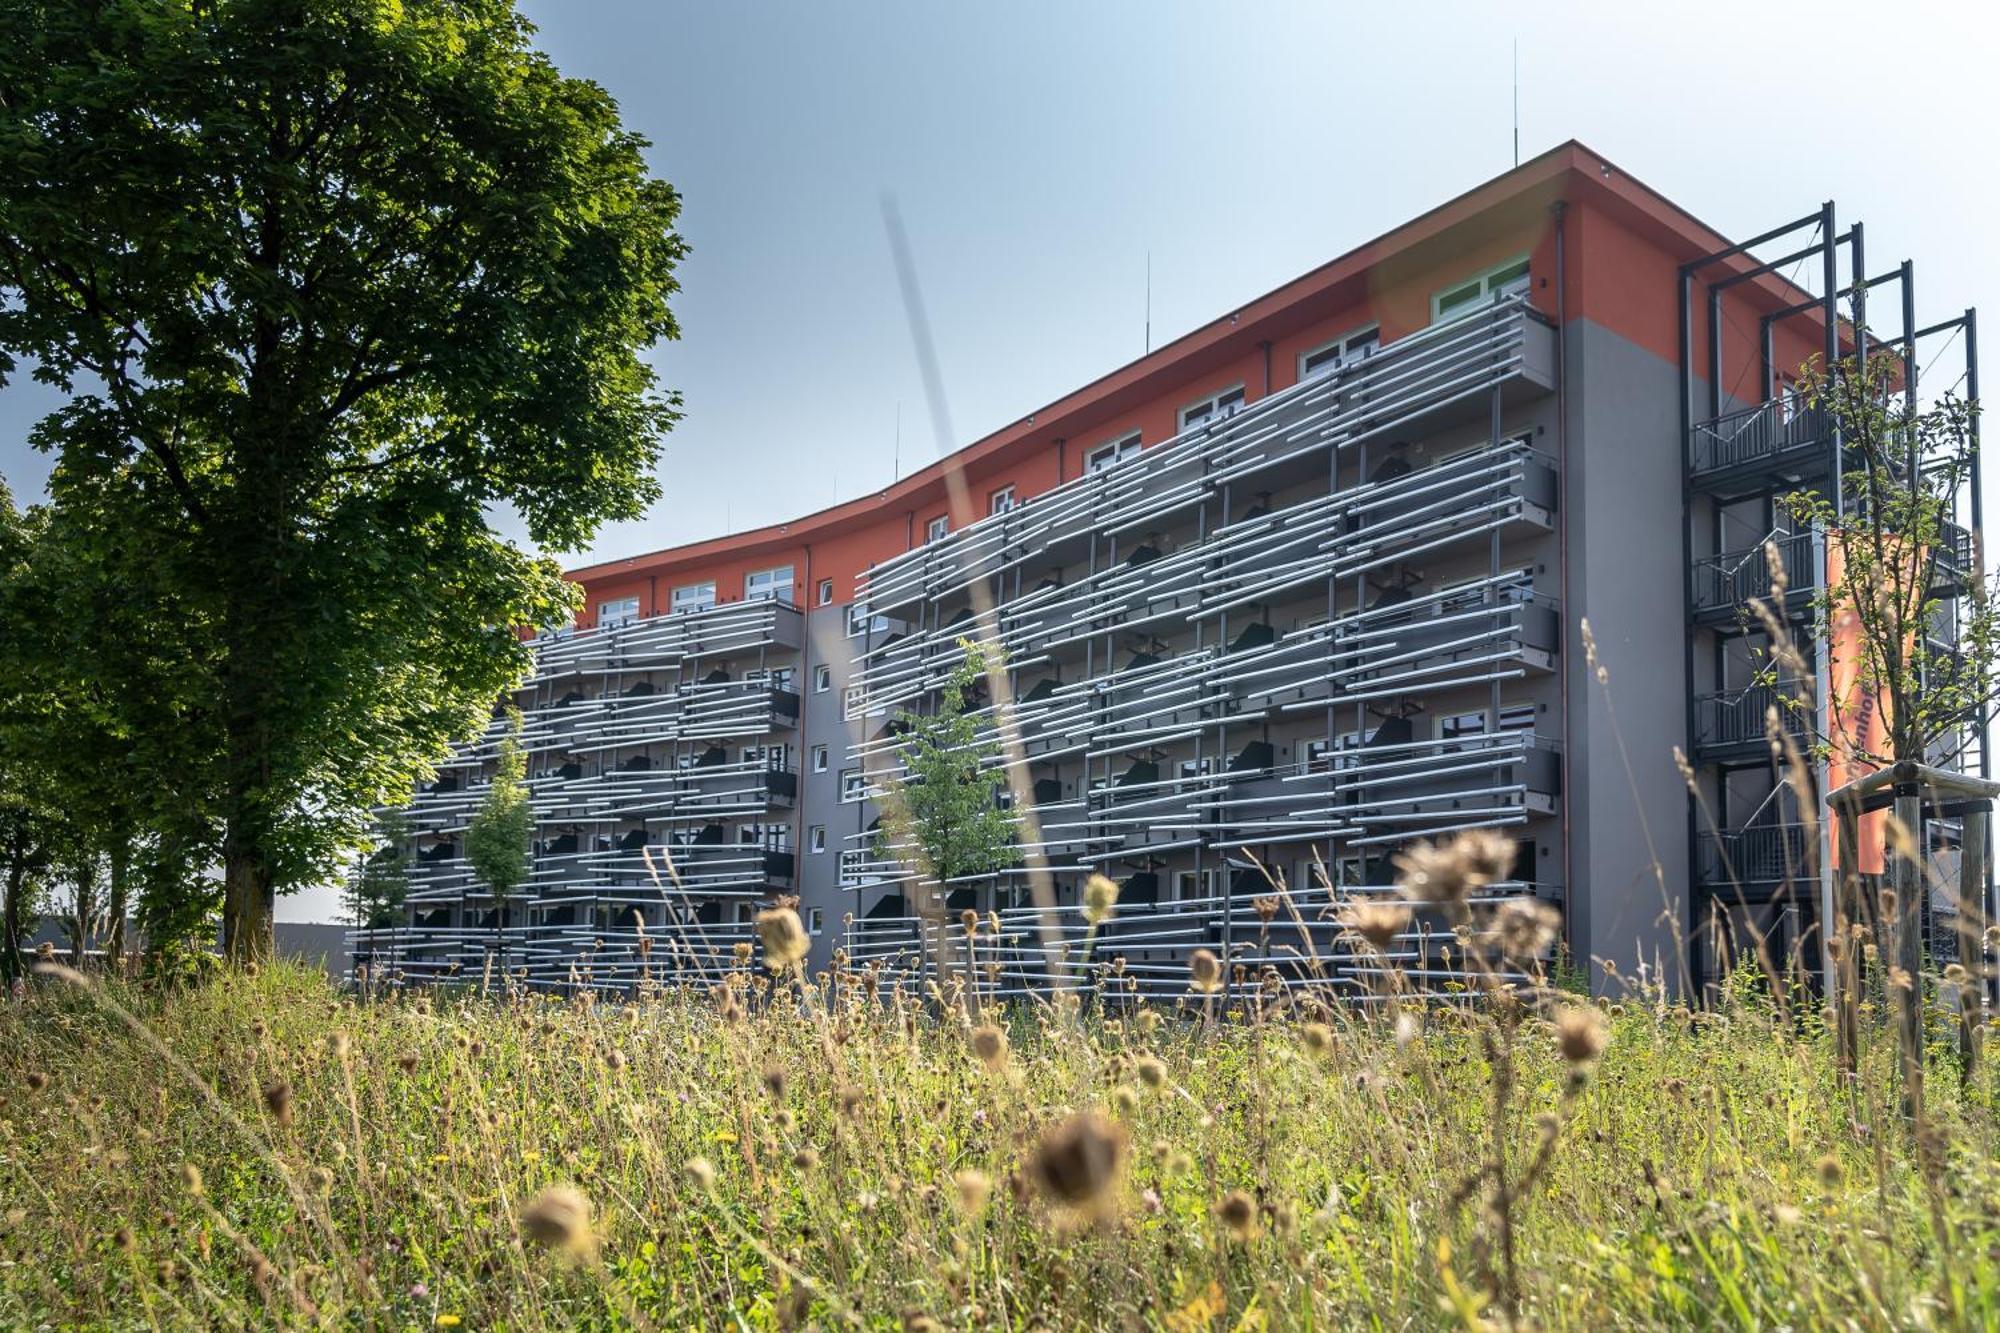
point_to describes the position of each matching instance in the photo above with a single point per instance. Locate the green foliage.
(496, 842)
(945, 812)
(326, 282)
(381, 880)
(1904, 467)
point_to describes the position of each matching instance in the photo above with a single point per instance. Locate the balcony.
(1758, 862)
(1779, 443)
(1724, 583)
(1730, 725)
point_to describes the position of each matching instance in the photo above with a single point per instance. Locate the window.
(816, 839)
(1517, 717)
(1454, 725)
(1501, 280)
(819, 759)
(815, 920)
(767, 584)
(1001, 500)
(1225, 404)
(826, 592)
(1342, 351)
(621, 612)
(694, 597)
(938, 528)
(1464, 594)
(860, 622)
(1111, 453)
(852, 786)
(822, 679)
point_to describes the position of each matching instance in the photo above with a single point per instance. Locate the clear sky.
(1041, 151)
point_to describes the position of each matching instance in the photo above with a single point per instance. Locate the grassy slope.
(1685, 1183)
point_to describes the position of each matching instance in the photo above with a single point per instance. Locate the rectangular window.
(816, 839)
(1111, 453)
(938, 528)
(1454, 725)
(694, 597)
(853, 786)
(1481, 289)
(623, 611)
(768, 584)
(1517, 717)
(819, 759)
(1001, 500)
(1213, 408)
(822, 679)
(815, 920)
(1342, 351)
(859, 622)
(826, 592)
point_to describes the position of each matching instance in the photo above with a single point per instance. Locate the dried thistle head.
(1078, 1162)
(1100, 897)
(1204, 971)
(1526, 927)
(784, 936)
(1236, 1212)
(1152, 1072)
(37, 1081)
(974, 1188)
(278, 1101)
(1266, 905)
(1580, 1034)
(989, 1044)
(702, 1172)
(558, 1219)
(1379, 923)
(1317, 1038)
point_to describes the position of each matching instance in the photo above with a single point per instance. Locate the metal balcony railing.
(1781, 435)
(1724, 583)
(1758, 860)
(1738, 720)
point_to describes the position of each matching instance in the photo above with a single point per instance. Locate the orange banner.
(1858, 707)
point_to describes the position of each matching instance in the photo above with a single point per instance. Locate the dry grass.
(434, 1160)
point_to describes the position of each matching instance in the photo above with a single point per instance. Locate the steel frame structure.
(1737, 453)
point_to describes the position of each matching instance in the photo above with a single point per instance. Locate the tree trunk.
(246, 904)
(82, 908)
(11, 965)
(114, 937)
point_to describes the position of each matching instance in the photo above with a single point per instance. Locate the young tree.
(1907, 619)
(496, 842)
(327, 282)
(944, 818)
(1896, 562)
(381, 881)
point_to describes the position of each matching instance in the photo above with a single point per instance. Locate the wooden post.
(1972, 907)
(1907, 875)
(1844, 971)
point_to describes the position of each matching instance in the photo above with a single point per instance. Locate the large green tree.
(328, 283)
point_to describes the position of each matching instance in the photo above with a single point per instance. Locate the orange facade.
(1621, 246)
